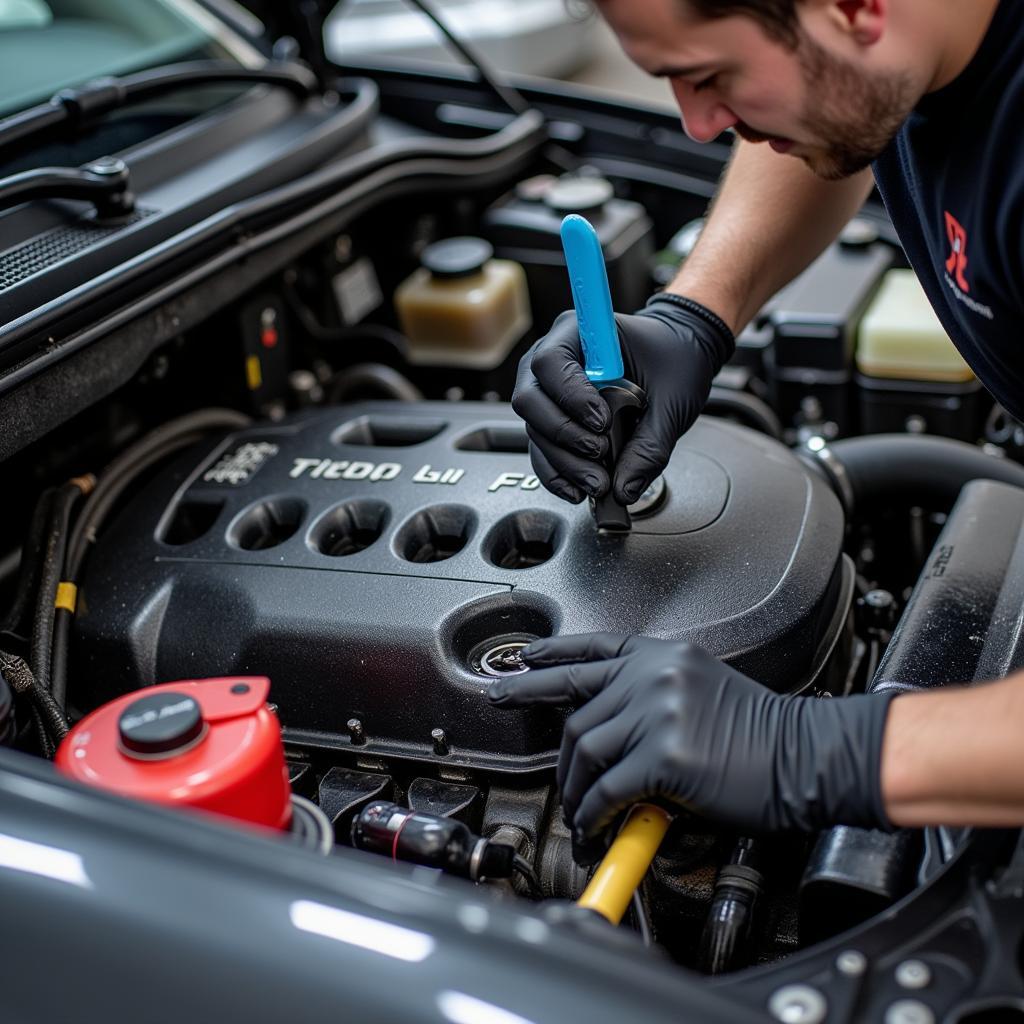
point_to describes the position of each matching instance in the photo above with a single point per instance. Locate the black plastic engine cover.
(360, 555)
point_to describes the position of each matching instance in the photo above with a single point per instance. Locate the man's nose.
(705, 117)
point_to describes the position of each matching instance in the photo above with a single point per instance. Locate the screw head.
(909, 1011)
(440, 739)
(798, 1004)
(913, 974)
(851, 962)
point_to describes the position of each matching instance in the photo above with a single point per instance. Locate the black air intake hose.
(748, 409)
(910, 468)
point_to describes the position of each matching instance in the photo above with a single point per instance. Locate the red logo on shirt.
(958, 251)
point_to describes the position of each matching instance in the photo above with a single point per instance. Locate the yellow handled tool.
(626, 863)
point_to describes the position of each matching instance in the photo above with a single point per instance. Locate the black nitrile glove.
(667, 722)
(672, 349)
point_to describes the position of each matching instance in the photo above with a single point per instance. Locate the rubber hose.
(917, 470)
(377, 377)
(749, 409)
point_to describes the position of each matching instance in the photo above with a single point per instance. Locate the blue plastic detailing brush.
(602, 354)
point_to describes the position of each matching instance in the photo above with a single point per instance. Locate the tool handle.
(592, 298)
(626, 402)
(626, 862)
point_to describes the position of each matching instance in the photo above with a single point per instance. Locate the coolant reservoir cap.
(163, 723)
(457, 257)
(211, 744)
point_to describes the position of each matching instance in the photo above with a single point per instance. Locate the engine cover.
(366, 557)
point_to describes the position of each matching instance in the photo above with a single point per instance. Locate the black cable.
(640, 914)
(97, 510)
(120, 473)
(376, 376)
(51, 724)
(28, 568)
(50, 577)
(98, 513)
(339, 335)
(117, 478)
(523, 867)
(62, 620)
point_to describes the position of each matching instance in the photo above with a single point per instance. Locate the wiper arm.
(105, 94)
(104, 182)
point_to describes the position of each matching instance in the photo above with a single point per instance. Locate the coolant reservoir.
(901, 337)
(463, 307)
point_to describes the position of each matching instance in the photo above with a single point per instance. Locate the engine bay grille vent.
(52, 247)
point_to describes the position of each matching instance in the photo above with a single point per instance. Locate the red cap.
(211, 744)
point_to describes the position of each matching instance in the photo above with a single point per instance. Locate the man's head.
(819, 79)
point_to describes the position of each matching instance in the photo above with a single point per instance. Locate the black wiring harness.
(53, 556)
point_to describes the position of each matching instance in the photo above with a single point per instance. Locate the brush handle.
(592, 298)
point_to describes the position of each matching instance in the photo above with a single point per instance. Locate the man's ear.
(863, 20)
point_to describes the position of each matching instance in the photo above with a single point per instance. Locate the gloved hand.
(667, 722)
(672, 349)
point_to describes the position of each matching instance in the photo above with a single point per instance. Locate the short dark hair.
(777, 17)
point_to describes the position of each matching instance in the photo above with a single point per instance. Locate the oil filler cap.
(501, 655)
(163, 723)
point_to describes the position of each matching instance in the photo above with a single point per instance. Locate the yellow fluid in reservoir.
(473, 320)
(900, 336)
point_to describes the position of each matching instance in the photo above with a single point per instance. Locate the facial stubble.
(852, 117)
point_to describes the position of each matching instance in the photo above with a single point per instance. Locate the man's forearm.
(956, 757)
(771, 218)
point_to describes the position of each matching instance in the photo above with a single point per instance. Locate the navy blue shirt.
(953, 183)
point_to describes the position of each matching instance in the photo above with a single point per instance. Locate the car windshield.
(49, 45)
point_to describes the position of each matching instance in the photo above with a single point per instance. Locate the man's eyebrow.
(674, 70)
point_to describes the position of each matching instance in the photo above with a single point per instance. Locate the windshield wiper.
(100, 96)
(104, 182)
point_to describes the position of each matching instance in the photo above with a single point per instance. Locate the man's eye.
(704, 83)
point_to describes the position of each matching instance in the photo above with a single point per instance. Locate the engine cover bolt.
(440, 742)
(851, 962)
(913, 974)
(356, 732)
(909, 1011)
(798, 1004)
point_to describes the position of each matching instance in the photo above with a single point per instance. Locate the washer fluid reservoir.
(463, 307)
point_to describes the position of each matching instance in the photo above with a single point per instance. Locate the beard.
(852, 117)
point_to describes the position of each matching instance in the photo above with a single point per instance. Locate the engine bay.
(278, 471)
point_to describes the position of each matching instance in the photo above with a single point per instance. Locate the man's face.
(832, 110)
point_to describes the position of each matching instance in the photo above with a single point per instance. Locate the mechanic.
(929, 95)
